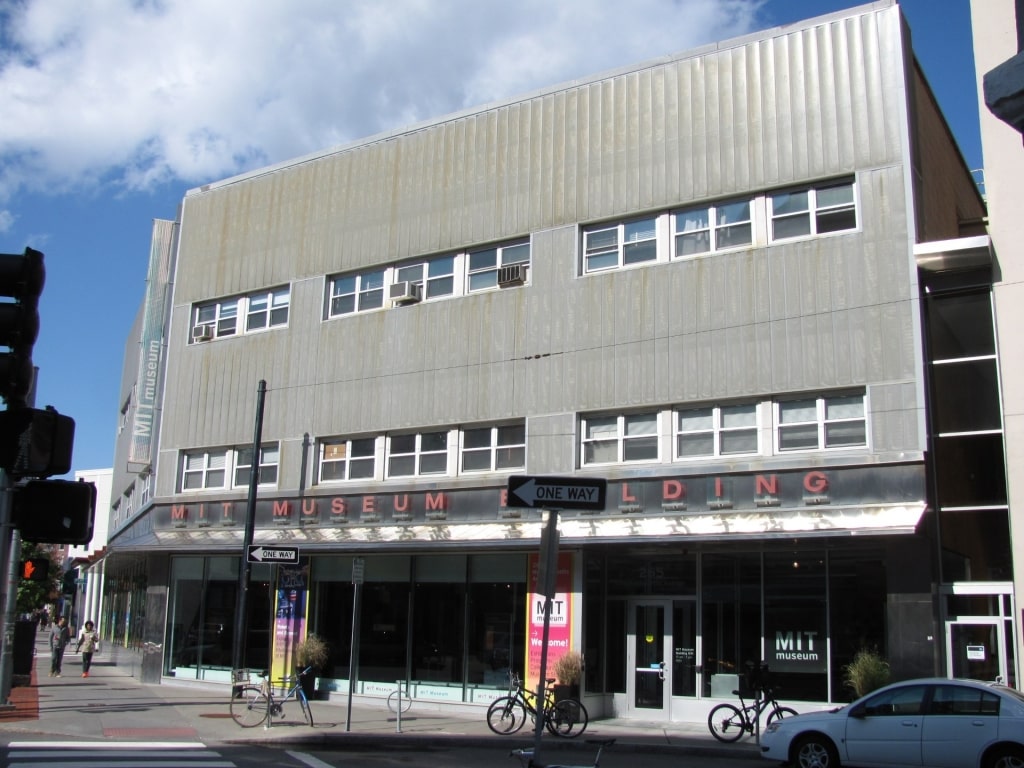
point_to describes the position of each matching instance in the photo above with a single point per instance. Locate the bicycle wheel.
(726, 723)
(780, 713)
(393, 702)
(567, 718)
(307, 713)
(506, 715)
(249, 706)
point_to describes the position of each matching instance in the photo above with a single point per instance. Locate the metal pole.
(9, 582)
(547, 570)
(353, 652)
(245, 567)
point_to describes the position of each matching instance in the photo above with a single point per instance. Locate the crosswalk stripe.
(91, 754)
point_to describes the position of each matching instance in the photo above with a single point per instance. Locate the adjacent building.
(748, 286)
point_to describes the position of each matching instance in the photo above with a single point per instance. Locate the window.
(716, 431)
(356, 293)
(898, 702)
(437, 276)
(204, 470)
(348, 459)
(961, 700)
(620, 245)
(814, 211)
(266, 309)
(613, 439)
(713, 228)
(483, 265)
(269, 458)
(491, 449)
(424, 453)
(825, 422)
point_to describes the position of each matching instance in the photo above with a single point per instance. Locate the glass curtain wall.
(123, 609)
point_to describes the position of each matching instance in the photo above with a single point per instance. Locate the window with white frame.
(204, 469)
(436, 277)
(354, 459)
(355, 293)
(492, 449)
(270, 456)
(709, 228)
(423, 453)
(837, 421)
(813, 211)
(621, 438)
(620, 245)
(724, 430)
(483, 265)
(262, 310)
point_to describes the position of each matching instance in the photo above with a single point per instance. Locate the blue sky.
(113, 109)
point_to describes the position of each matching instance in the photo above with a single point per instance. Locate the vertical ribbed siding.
(816, 102)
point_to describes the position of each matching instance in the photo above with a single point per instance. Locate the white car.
(931, 722)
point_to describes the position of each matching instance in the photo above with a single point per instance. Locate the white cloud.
(135, 92)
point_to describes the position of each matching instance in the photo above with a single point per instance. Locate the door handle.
(661, 670)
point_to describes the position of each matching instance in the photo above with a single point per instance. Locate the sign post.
(547, 573)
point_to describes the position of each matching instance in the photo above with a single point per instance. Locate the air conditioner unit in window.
(514, 274)
(202, 333)
(404, 293)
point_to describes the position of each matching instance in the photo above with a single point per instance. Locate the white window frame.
(435, 276)
(713, 227)
(718, 428)
(494, 449)
(616, 430)
(482, 264)
(816, 210)
(418, 454)
(270, 461)
(203, 464)
(625, 236)
(232, 317)
(368, 287)
(341, 453)
(823, 419)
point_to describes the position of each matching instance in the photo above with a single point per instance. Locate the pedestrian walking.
(88, 644)
(60, 636)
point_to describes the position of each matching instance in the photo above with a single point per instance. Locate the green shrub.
(867, 672)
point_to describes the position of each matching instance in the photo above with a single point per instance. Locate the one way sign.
(557, 492)
(283, 555)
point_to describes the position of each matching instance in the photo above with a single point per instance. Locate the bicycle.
(567, 718)
(526, 756)
(253, 705)
(400, 694)
(728, 723)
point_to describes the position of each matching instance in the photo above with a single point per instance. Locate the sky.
(110, 110)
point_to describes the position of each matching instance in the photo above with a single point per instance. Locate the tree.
(35, 594)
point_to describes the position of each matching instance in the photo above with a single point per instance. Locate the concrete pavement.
(110, 704)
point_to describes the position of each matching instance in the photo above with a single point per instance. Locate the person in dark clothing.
(60, 636)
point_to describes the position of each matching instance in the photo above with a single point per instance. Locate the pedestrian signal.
(35, 569)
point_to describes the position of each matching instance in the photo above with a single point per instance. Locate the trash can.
(24, 646)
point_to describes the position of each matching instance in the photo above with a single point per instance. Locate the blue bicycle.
(253, 705)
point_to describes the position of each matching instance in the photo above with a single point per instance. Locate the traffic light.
(35, 443)
(21, 280)
(35, 569)
(55, 511)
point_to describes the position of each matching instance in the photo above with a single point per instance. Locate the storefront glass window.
(496, 618)
(795, 625)
(439, 600)
(731, 607)
(857, 611)
(975, 545)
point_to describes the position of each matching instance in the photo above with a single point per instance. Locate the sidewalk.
(110, 704)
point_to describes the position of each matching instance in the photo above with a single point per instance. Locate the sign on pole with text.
(557, 492)
(258, 553)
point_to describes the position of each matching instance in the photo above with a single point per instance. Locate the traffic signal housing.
(55, 511)
(35, 569)
(35, 443)
(21, 282)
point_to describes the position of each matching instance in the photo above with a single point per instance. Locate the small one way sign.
(557, 492)
(259, 553)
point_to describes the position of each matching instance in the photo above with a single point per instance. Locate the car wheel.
(1006, 757)
(815, 752)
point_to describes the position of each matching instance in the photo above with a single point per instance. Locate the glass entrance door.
(649, 659)
(975, 649)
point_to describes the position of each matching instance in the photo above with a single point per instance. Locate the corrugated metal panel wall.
(806, 104)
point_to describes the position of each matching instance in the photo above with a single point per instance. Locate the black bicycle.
(567, 718)
(728, 722)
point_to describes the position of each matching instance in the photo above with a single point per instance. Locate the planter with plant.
(313, 652)
(867, 672)
(568, 671)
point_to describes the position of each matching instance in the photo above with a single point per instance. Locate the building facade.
(748, 286)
